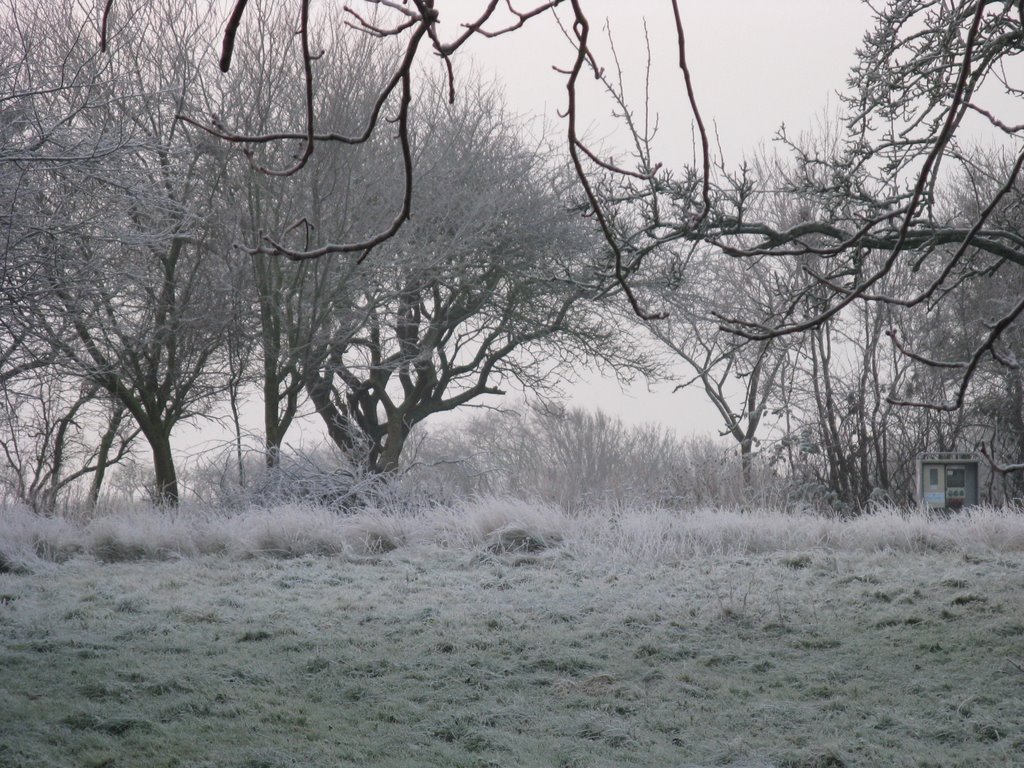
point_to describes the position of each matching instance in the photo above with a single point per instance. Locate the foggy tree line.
(172, 244)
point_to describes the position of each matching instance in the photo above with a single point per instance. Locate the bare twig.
(705, 153)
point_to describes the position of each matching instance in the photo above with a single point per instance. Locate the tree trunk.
(236, 422)
(166, 490)
(319, 390)
(747, 464)
(273, 435)
(103, 456)
(387, 460)
(277, 421)
(272, 451)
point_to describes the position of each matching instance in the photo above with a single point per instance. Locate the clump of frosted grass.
(658, 535)
(375, 532)
(655, 534)
(288, 530)
(140, 535)
(497, 525)
(27, 540)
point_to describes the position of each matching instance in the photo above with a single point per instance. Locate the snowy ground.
(449, 651)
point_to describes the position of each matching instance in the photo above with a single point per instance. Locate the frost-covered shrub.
(321, 476)
(578, 459)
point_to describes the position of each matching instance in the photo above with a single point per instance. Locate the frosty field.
(513, 637)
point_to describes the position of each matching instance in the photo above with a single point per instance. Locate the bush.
(322, 477)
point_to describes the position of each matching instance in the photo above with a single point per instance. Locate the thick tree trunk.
(277, 420)
(388, 459)
(272, 452)
(166, 490)
(273, 435)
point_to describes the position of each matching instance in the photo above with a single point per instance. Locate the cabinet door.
(934, 486)
(956, 485)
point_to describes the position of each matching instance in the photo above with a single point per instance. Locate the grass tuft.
(797, 562)
(12, 563)
(254, 636)
(513, 539)
(827, 759)
(117, 726)
(967, 599)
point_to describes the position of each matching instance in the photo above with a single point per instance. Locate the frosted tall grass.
(636, 533)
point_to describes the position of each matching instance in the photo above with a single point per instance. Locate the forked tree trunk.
(388, 459)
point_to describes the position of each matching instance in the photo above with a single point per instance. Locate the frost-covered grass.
(506, 634)
(28, 542)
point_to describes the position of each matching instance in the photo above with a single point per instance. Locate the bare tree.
(882, 183)
(491, 283)
(46, 443)
(132, 289)
(453, 307)
(415, 32)
(50, 83)
(744, 379)
(47, 85)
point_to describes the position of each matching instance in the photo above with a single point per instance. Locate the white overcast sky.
(755, 64)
